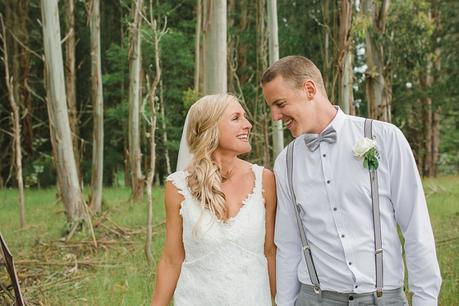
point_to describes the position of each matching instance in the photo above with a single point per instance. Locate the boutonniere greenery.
(365, 149)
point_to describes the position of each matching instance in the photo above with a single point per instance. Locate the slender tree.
(17, 36)
(278, 132)
(135, 57)
(61, 138)
(70, 78)
(16, 130)
(98, 107)
(164, 126)
(344, 60)
(215, 48)
(152, 88)
(197, 47)
(378, 80)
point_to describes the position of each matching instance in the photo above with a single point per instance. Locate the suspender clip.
(379, 293)
(306, 247)
(317, 289)
(378, 251)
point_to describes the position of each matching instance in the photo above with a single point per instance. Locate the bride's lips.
(243, 137)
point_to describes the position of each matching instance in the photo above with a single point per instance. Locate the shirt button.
(342, 236)
(356, 286)
(335, 209)
(328, 181)
(350, 263)
(323, 155)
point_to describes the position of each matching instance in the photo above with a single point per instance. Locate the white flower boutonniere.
(366, 149)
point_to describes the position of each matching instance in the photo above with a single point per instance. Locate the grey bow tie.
(312, 141)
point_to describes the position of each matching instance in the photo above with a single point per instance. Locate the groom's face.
(289, 104)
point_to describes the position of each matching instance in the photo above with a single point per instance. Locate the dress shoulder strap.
(179, 180)
(258, 171)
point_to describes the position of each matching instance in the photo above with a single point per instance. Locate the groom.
(336, 261)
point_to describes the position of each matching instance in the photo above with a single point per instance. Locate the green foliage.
(412, 39)
(189, 97)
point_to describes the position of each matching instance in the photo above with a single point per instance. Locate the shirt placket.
(335, 208)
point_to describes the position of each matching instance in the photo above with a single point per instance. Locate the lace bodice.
(224, 261)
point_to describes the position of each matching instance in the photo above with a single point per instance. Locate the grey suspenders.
(376, 220)
(297, 208)
(368, 133)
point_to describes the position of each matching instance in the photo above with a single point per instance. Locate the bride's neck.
(226, 164)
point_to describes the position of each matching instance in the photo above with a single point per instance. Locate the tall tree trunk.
(435, 141)
(19, 61)
(326, 51)
(164, 127)
(70, 79)
(135, 154)
(278, 132)
(344, 59)
(215, 49)
(378, 84)
(98, 109)
(17, 148)
(197, 47)
(427, 114)
(152, 121)
(231, 46)
(436, 117)
(260, 113)
(67, 176)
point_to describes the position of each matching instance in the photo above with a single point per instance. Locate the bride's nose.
(247, 124)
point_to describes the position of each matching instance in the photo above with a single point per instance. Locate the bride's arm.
(170, 264)
(269, 187)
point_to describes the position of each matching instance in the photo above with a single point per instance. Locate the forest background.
(94, 94)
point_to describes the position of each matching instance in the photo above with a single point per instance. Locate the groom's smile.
(286, 103)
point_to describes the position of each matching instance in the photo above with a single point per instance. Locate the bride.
(220, 211)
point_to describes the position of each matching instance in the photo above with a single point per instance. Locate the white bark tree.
(61, 138)
(152, 119)
(378, 84)
(345, 59)
(278, 131)
(70, 78)
(98, 109)
(164, 127)
(215, 49)
(135, 57)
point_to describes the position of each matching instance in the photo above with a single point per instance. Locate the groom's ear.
(310, 88)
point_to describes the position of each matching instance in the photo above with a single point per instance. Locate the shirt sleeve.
(407, 196)
(286, 238)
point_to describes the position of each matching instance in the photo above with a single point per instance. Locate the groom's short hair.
(296, 69)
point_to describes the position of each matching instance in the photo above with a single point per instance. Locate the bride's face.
(234, 130)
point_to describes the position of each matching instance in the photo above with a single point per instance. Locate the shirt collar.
(338, 121)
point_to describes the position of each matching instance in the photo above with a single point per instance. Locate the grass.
(116, 273)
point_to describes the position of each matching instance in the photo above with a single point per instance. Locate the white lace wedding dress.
(224, 263)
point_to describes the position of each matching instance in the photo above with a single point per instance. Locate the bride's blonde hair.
(205, 179)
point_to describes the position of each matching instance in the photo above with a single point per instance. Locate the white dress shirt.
(333, 189)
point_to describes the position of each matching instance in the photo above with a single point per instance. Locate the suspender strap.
(368, 133)
(297, 208)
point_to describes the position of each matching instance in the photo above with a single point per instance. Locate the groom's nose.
(276, 114)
